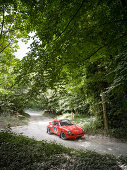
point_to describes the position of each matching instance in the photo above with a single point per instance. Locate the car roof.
(60, 119)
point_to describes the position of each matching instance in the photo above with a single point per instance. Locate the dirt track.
(36, 128)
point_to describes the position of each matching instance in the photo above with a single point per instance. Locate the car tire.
(49, 131)
(79, 137)
(62, 135)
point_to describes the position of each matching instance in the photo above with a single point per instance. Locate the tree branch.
(97, 50)
(5, 47)
(107, 44)
(70, 20)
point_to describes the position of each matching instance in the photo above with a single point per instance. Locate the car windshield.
(65, 122)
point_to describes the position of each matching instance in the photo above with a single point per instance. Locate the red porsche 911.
(65, 129)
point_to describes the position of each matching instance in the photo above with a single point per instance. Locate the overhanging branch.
(122, 36)
(5, 47)
(70, 20)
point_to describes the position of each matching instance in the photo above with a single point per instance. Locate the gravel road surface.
(36, 129)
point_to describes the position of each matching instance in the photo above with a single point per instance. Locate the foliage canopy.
(78, 51)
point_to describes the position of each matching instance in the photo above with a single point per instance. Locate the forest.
(77, 61)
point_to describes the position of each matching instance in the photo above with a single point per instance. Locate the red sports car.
(65, 129)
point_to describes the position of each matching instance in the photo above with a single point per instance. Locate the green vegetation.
(18, 152)
(93, 125)
(10, 121)
(77, 61)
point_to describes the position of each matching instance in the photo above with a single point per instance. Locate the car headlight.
(69, 131)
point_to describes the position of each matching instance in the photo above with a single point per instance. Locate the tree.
(13, 26)
(87, 37)
(75, 40)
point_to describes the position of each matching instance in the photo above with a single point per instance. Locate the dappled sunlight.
(109, 149)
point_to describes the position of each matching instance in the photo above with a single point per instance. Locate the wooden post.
(104, 111)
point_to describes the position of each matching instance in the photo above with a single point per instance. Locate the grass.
(9, 121)
(18, 152)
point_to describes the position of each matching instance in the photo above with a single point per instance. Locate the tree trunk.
(2, 27)
(124, 4)
(104, 111)
(72, 115)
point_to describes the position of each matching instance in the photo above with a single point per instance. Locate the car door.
(56, 127)
(52, 126)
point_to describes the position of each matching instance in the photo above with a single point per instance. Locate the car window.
(65, 122)
(56, 123)
(52, 123)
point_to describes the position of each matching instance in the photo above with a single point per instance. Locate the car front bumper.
(74, 136)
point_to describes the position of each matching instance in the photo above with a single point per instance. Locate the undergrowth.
(18, 152)
(9, 121)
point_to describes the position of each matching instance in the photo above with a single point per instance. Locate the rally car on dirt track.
(65, 129)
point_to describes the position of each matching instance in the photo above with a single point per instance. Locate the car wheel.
(49, 131)
(62, 135)
(79, 137)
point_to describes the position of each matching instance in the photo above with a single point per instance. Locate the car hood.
(72, 128)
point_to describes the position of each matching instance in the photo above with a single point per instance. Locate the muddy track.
(36, 129)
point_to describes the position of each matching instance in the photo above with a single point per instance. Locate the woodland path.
(36, 129)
